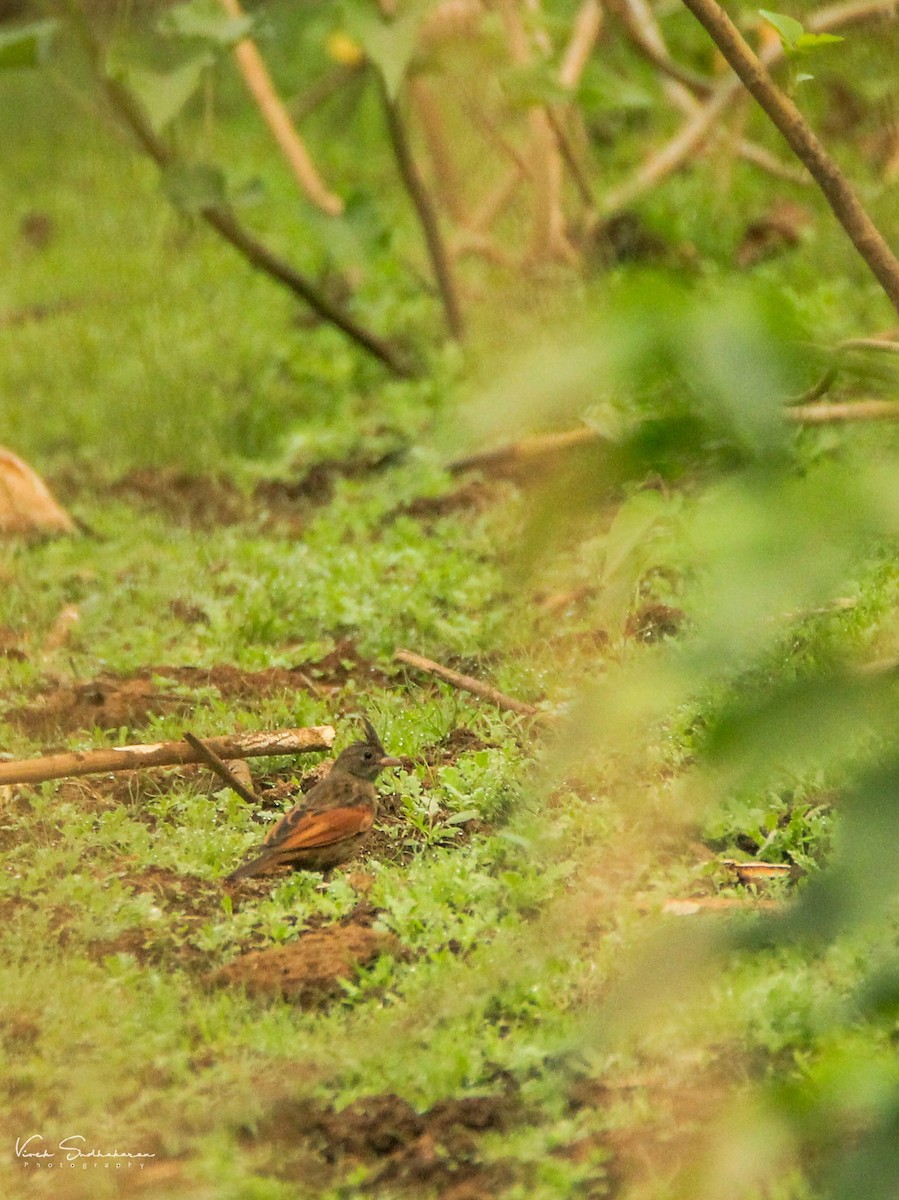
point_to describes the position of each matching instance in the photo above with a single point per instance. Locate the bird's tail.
(256, 866)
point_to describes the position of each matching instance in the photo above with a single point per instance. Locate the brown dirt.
(12, 645)
(474, 496)
(653, 622)
(308, 971)
(206, 501)
(684, 1100)
(114, 702)
(102, 703)
(457, 742)
(435, 1152)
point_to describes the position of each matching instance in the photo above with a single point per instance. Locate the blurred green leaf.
(27, 45)
(390, 45)
(205, 20)
(793, 36)
(163, 94)
(191, 187)
(788, 29)
(533, 85)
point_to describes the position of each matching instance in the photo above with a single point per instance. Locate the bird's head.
(365, 759)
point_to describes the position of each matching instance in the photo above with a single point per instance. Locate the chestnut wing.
(312, 829)
(337, 793)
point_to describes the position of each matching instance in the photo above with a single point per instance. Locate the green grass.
(521, 878)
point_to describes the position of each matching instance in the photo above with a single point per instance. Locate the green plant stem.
(425, 212)
(220, 217)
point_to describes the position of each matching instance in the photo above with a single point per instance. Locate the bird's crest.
(372, 738)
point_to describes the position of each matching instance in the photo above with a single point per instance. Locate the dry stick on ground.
(466, 683)
(836, 414)
(424, 210)
(166, 754)
(530, 449)
(699, 127)
(784, 114)
(221, 218)
(259, 82)
(526, 449)
(221, 768)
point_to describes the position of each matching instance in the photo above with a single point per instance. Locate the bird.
(333, 818)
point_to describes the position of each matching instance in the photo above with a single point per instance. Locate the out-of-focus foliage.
(689, 388)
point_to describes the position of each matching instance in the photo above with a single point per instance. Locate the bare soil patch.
(308, 971)
(475, 495)
(436, 1152)
(205, 501)
(106, 702)
(115, 702)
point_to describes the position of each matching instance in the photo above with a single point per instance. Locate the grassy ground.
(267, 520)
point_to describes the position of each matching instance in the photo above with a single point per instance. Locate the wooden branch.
(525, 450)
(683, 86)
(836, 414)
(531, 449)
(424, 210)
(466, 683)
(548, 236)
(322, 89)
(584, 33)
(165, 754)
(882, 345)
(575, 168)
(643, 33)
(221, 768)
(222, 219)
(496, 200)
(784, 114)
(446, 177)
(259, 83)
(700, 126)
(751, 152)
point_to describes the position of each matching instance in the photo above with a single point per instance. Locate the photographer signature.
(30, 1148)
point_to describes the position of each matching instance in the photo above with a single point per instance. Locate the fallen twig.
(466, 683)
(834, 414)
(528, 448)
(221, 768)
(548, 444)
(165, 754)
(761, 872)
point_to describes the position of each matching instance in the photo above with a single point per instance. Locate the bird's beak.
(390, 762)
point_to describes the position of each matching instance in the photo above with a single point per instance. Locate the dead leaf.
(26, 505)
(760, 872)
(701, 904)
(779, 228)
(61, 629)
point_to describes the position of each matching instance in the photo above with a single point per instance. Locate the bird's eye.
(367, 754)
